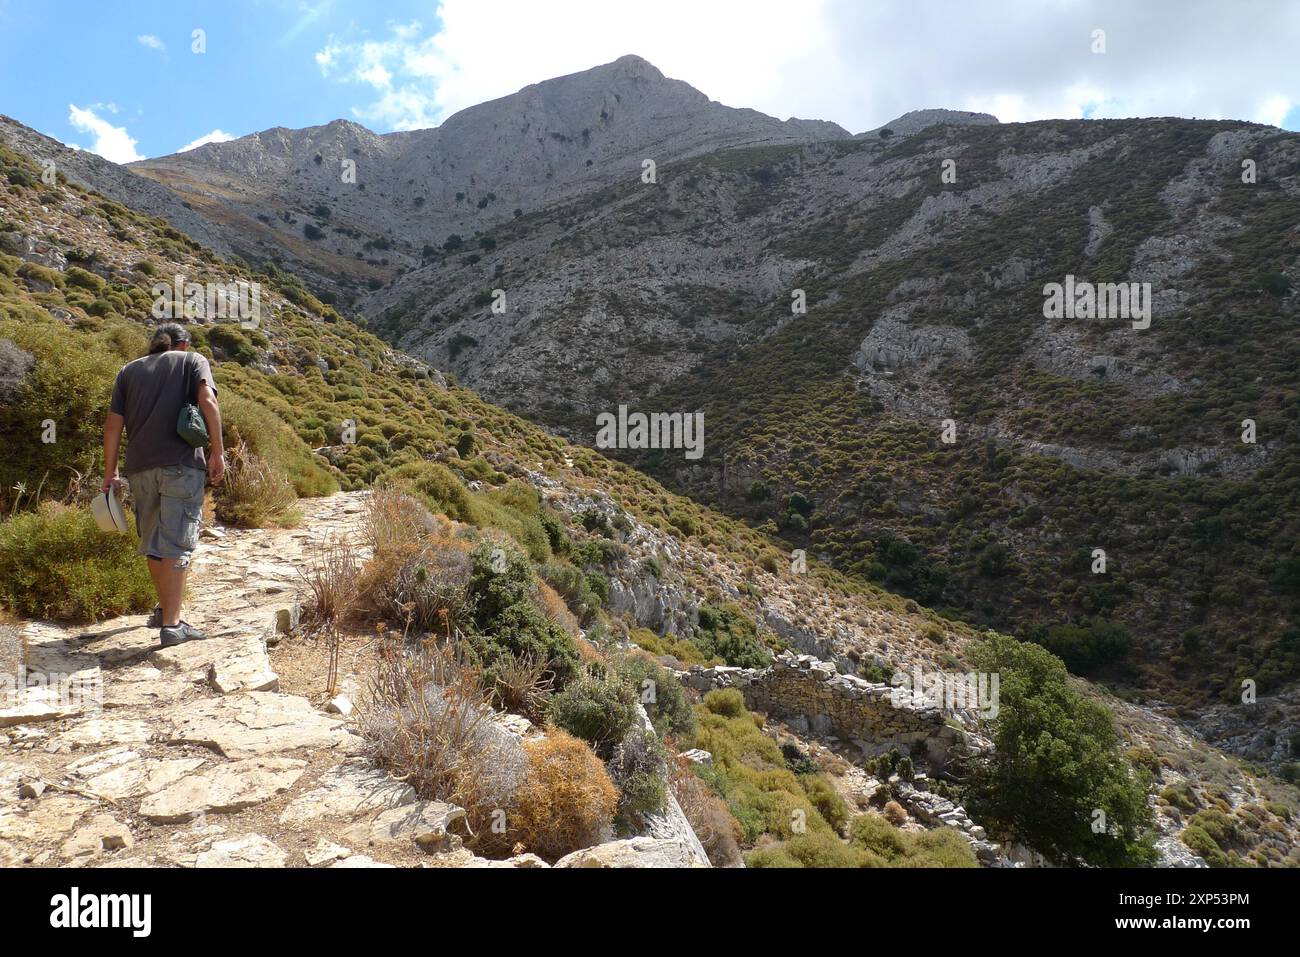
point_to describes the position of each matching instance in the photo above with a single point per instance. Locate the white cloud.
(111, 142)
(855, 63)
(152, 42)
(216, 136)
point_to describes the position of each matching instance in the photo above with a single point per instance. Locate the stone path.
(196, 757)
(193, 756)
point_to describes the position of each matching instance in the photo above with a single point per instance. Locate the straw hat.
(108, 513)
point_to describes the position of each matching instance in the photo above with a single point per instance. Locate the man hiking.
(165, 473)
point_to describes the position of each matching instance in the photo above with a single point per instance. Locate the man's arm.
(113, 426)
(212, 416)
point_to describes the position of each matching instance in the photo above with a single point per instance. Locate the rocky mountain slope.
(348, 208)
(1169, 447)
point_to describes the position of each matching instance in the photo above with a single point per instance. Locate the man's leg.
(169, 583)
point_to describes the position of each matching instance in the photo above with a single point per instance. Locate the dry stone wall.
(869, 714)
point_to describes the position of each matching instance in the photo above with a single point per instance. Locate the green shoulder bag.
(189, 424)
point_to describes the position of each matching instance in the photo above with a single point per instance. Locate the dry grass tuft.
(523, 685)
(719, 832)
(254, 494)
(894, 813)
(394, 518)
(332, 576)
(420, 584)
(428, 722)
(555, 609)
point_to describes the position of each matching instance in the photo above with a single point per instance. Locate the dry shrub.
(331, 576)
(420, 583)
(589, 653)
(895, 814)
(523, 685)
(254, 494)
(565, 801)
(393, 517)
(428, 722)
(719, 832)
(555, 609)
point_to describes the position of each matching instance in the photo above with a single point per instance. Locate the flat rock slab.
(359, 860)
(100, 732)
(255, 723)
(251, 850)
(143, 686)
(228, 664)
(518, 862)
(222, 789)
(123, 773)
(426, 823)
(324, 852)
(30, 710)
(352, 788)
(634, 852)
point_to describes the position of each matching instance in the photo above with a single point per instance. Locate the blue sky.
(120, 77)
(131, 64)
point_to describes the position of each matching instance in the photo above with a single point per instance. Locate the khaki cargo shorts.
(168, 505)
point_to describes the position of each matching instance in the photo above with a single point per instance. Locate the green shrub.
(572, 585)
(56, 563)
(1199, 841)
(599, 707)
(639, 768)
(726, 702)
(76, 276)
(68, 386)
(731, 635)
(1085, 648)
(683, 649)
(267, 435)
(823, 796)
(661, 693)
(943, 847)
(439, 488)
(819, 849)
(507, 617)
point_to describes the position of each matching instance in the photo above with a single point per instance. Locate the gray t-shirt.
(149, 394)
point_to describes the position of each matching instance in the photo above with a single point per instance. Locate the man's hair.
(167, 337)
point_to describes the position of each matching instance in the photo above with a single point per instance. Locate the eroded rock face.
(427, 823)
(349, 790)
(634, 852)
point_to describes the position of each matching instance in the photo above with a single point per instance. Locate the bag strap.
(190, 383)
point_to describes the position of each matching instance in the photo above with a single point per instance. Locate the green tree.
(1057, 763)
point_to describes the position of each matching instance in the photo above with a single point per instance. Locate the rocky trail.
(199, 757)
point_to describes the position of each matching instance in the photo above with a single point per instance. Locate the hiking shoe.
(155, 618)
(175, 634)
